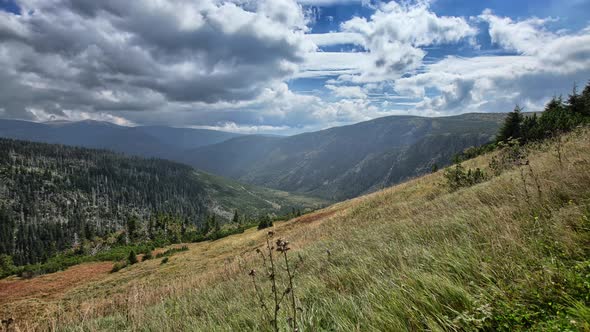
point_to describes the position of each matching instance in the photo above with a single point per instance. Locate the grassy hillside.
(511, 253)
(344, 162)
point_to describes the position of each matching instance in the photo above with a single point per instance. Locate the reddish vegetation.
(309, 218)
(52, 285)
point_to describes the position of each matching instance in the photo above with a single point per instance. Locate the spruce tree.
(132, 259)
(512, 126)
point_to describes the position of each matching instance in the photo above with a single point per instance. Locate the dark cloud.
(119, 55)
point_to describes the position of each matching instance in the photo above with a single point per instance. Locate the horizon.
(285, 67)
(251, 134)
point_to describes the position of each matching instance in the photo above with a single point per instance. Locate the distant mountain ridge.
(335, 164)
(344, 162)
(147, 141)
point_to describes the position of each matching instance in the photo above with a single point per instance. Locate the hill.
(335, 164)
(510, 253)
(149, 141)
(344, 162)
(53, 197)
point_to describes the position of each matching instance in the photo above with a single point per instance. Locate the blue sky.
(282, 66)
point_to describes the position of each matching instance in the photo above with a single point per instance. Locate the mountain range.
(344, 162)
(334, 164)
(147, 141)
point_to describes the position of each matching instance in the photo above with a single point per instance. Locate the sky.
(285, 66)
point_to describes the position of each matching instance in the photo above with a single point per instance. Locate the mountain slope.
(344, 162)
(150, 141)
(508, 254)
(52, 196)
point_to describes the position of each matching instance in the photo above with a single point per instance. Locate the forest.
(60, 205)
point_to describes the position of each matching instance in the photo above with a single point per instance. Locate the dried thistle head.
(271, 233)
(252, 273)
(282, 245)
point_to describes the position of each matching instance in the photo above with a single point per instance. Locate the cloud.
(102, 56)
(395, 35)
(229, 64)
(347, 91)
(545, 63)
(526, 36)
(245, 129)
(336, 38)
(329, 2)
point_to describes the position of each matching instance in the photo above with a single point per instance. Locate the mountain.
(509, 254)
(53, 196)
(149, 141)
(344, 162)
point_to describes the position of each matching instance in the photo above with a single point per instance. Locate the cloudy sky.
(285, 66)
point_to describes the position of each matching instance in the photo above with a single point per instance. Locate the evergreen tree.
(512, 126)
(586, 100)
(575, 102)
(236, 218)
(530, 128)
(132, 258)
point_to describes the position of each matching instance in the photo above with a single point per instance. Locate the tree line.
(559, 116)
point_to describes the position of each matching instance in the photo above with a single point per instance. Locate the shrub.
(118, 266)
(132, 258)
(147, 256)
(457, 177)
(171, 252)
(164, 260)
(6, 266)
(264, 222)
(510, 155)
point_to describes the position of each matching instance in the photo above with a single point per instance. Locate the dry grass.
(411, 257)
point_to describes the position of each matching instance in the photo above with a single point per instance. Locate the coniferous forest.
(55, 198)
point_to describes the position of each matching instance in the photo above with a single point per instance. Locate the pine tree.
(575, 102)
(132, 259)
(512, 126)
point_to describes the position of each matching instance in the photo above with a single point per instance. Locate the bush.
(147, 256)
(171, 252)
(118, 266)
(457, 177)
(510, 155)
(164, 260)
(132, 258)
(6, 266)
(265, 222)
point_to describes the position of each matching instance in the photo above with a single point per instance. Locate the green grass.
(508, 254)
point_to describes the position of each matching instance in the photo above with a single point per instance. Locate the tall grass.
(505, 254)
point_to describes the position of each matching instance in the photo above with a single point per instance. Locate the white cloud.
(336, 38)
(233, 127)
(526, 37)
(547, 65)
(347, 91)
(395, 34)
